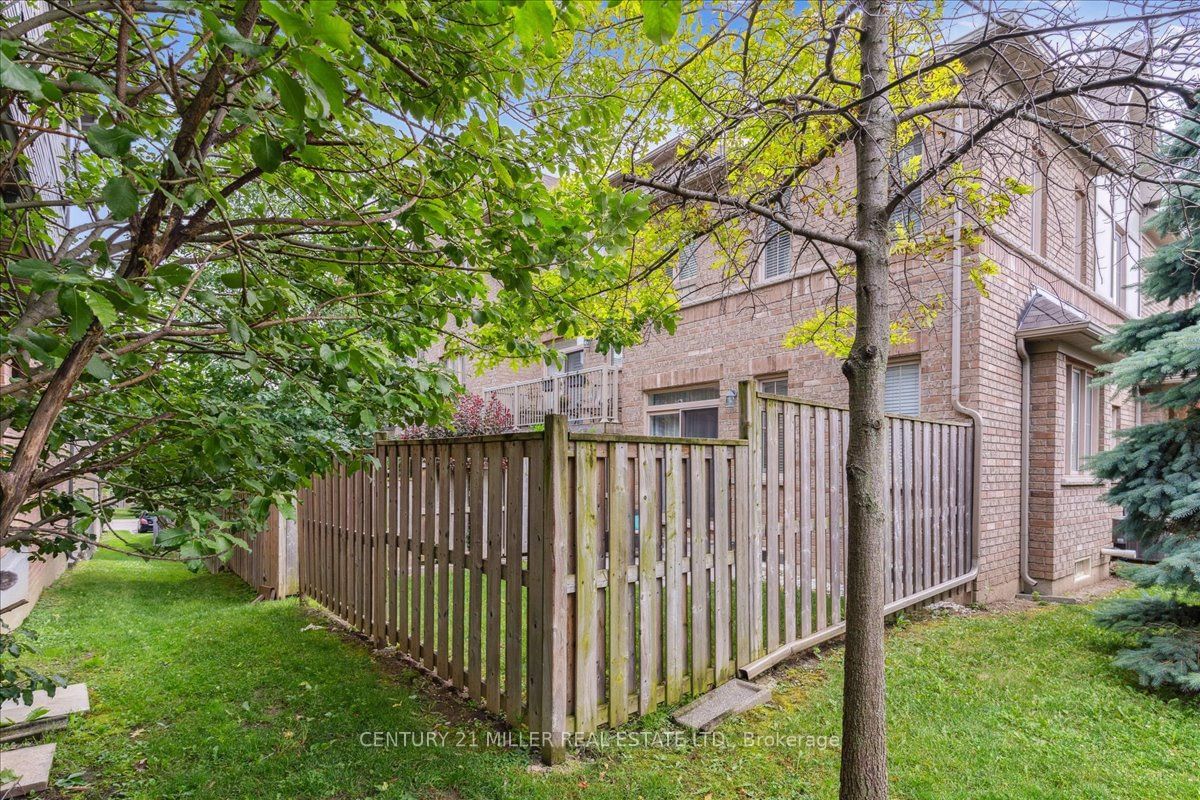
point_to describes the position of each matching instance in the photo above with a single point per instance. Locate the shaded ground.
(197, 693)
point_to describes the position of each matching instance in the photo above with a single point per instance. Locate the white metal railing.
(588, 396)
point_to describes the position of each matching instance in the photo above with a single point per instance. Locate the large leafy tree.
(856, 128)
(269, 213)
(1155, 468)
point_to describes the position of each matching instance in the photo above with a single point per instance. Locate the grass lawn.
(197, 693)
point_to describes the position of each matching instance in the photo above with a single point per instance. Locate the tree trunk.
(864, 725)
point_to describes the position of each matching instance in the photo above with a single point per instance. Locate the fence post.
(552, 668)
(748, 547)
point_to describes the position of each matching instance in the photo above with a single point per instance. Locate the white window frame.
(899, 365)
(679, 409)
(1118, 243)
(1082, 429)
(769, 384)
(1039, 206)
(554, 370)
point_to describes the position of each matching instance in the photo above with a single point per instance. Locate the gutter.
(956, 380)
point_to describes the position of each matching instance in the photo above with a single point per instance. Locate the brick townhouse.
(1026, 349)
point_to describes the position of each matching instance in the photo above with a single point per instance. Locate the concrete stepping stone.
(711, 709)
(32, 767)
(18, 721)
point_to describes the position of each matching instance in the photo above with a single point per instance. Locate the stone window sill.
(1080, 480)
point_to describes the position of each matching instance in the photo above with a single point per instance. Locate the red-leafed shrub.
(473, 416)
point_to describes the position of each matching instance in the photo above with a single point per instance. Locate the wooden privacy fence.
(570, 581)
(269, 563)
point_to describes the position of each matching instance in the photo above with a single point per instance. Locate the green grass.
(197, 693)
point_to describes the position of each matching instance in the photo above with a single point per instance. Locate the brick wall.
(732, 324)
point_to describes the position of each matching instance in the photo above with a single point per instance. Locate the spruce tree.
(1155, 467)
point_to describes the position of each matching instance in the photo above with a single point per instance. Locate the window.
(908, 213)
(777, 252)
(1040, 206)
(1083, 409)
(684, 412)
(688, 266)
(1081, 226)
(1118, 244)
(777, 385)
(456, 366)
(902, 391)
(572, 362)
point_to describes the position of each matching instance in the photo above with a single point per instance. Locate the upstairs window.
(777, 251)
(902, 390)
(908, 213)
(688, 266)
(1118, 244)
(573, 361)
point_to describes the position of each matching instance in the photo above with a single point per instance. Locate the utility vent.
(14, 576)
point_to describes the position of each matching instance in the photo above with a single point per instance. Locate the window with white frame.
(777, 251)
(1117, 227)
(688, 266)
(902, 389)
(777, 384)
(905, 163)
(572, 362)
(1083, 412)
(690, 412)
(458, 366)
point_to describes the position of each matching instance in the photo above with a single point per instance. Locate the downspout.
(956, 379)
(1027, 581)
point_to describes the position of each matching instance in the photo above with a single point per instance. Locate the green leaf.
(100, 306)
(660, 19)
(328, 82)
(534, 20)
(238, 330)
(332, 29)
(19, 78)
(120, 197)
(266, 152)
(227, 35)
(291, 94)
(87, 80)
(111, 142)
(97, 368)
(75, 307)
(29, 267)
(293, 25)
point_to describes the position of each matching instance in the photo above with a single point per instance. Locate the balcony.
(585, 397)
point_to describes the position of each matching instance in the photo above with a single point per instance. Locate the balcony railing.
(586, 397)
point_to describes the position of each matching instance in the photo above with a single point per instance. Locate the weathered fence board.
(570, 581)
